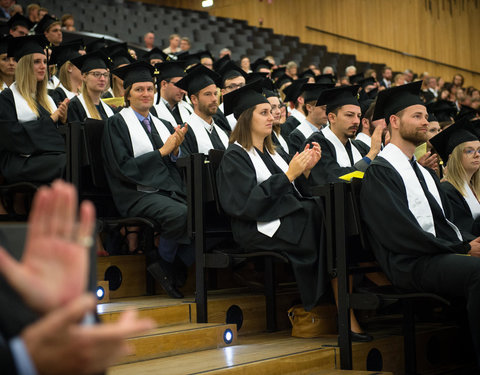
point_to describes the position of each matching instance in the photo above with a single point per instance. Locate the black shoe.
(360, 337)
(163, 276)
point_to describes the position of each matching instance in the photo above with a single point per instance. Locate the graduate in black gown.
(458, 146)
(69, 75)
(140, 151)
(340, 153)
(277, 136)
(256, 189)
(32, 149)
(408, 218)
(204, 134)
(293, 94)
(94, 67)
(267, 196)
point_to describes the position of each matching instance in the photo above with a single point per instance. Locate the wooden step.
(133, 273)
(264, 355)
(179, 339)
(165, 311)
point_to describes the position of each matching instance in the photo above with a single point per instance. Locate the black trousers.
(459, 276)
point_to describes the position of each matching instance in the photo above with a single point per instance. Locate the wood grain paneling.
(441, 30)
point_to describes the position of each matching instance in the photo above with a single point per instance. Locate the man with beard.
(201, 85)
(341, 154)
(406, 214)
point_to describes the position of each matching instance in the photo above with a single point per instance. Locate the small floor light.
(228, 336)
(100, 293)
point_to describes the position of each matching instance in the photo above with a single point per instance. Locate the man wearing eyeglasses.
(233, 78)
(170, 105)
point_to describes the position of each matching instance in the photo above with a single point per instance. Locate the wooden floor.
(180, 345)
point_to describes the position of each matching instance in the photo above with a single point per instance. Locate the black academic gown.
(222, 121)
(279, 145)
(191, 146)
(462, 216)
(300, 235)
(124, 172)
(76, 112)
(58, 95)
(327, 169)
(296, 140)
(412, 258)
(31, 151)
(287, 127)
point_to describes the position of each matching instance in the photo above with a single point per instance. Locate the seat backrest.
(215, 158)
(93, 132)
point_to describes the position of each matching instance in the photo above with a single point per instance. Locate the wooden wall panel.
(442, 30)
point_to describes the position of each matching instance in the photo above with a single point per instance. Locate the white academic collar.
(207, 126)
(314, 128)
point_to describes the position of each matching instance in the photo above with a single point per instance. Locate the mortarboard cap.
(269, 93)
(395, 99)
(155, 54)
(307, 74)
(45, 23)
(198, 78)
(293, 91)
(364, 82)
(444, 110)
(432, 117)
(365, 104)
(90, 61)
(195, 58)
(25, 45)
(356, 78)
(231, 70)
(255, 76)
(475, 127)
(312, 91)
(467, 113)
(325, 78)
(278, 72)
(19, 20)
(282, 80)
(217, 65)
(170, 69)
(260, 64)
(65, 52)
(118, 54)
(449, 138)
(4, 44)
(238, 101)
(95, 45)
(138, 71)
(338, 97)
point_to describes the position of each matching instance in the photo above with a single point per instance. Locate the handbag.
(321, 320)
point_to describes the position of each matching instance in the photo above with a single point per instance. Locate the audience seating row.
(130, 20)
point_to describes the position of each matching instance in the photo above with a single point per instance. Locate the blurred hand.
(54, 266)
(57, 344)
